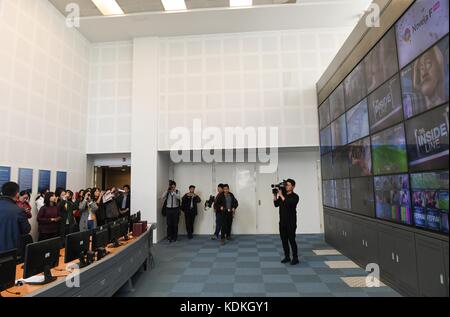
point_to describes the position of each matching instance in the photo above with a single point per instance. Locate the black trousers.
(287, 235)
(227, 222)
(173, 218)
(189, 218)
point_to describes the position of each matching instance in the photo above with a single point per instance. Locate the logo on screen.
(407, 35)
(428, 141)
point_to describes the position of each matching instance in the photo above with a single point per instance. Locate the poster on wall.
(381, 62)
(61, 180)
(355, 86)
(337, 105)
(44, 180)
(26, 179)
(428, 141)
(425, 82)
(357, 121)
(420, 27)
(5, 175)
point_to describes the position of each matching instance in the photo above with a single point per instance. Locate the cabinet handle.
(363, 242)
(367, 245)
(442, 279)
(398, 261)
(393, 256)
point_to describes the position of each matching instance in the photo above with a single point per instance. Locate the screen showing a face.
(343, 196)
(327, 166)
(360, 158)
(357, 121)
(425, 82)
(385, 105)
(339, 132)
(420, 27)
(430, 200)
(389, 151)
(355, 86)
(325, 140)
(324, 114)
(427, 137)
(363, 202)
(340, 162)
(381, 62)
(337, 106)
(392, 198)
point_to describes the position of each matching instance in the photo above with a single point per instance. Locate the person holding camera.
(287, 201)
(218, 213)
(172, 211)
(189, 206)
(88, 207)
(227, 205)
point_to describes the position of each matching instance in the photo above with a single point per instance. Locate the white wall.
(44, 73)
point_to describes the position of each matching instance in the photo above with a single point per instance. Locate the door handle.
(442, 279)
(367, 245)
(393, 256)
(259, 202)
(363, 242)
(398, 261)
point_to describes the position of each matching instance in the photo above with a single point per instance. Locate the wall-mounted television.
(326, 163)
(428, 141)
(337, 105)
(325, 140)
(425, 82)
(355, 86)
(385, 105)
(392, 198)
(363, 202)
(357, 121)
(389, 151)
(339, 132)
(430, 200)
(424, 23)
(340, 162)
(343, 195)
(360, 158)
(381, 62)
(324, 114)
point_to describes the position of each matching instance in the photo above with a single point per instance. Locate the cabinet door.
(371, 243)
(386, 254)
(330, 229)
(406, 261)
(445, 247)
(359, 254)
(430, 267)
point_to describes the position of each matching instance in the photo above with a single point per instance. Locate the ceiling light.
(174, 5)
(108, 7)
(241, 3)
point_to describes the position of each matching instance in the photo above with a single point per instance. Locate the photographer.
(218, 213)
(227, 205)
(172, 210)
(189, 207)
(287, 201)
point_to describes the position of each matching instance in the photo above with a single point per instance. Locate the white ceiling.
(301, 15)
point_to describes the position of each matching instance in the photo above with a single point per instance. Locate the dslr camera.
(281, 186)
(209, 202)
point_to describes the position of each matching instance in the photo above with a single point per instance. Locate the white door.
(267, 215)
(242, 180)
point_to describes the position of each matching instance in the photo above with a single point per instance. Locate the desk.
(100, 279)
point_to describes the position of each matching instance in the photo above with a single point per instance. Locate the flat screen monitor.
(360, 158)
(337, 105)
(363, 202)
(324, 114)
(430, 200)
(355, 86)
(385, 105)
(339, 132)
(424, 23)
(41, 257)
(326, 163)
(392, 198)
(329, 193)
(389, 151)
(8, 263)
(100, 238)
(343, 195)
(428, 141)
(381, 62)
(357, 121)
(325, 140)
(340, 162)
(425, 82)
(76, 244)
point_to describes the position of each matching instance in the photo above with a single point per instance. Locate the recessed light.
(174, 5)
(108, 7)
(241, 3)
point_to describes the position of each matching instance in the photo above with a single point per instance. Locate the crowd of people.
(58, 213)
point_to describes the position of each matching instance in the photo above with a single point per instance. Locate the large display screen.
(430, 200)
(427, 137)
(357, 122)
(339, 132)
(355, 86)
(329, 193)
(385, 105)
(340, 162)
(425, 81)
(381, 62)
(325, 140)
(327, 166)
(420, 27)
(392, 198)
(324, 114)
(362, 196)
(360, 158)
(343, 196)
(389, 151)
(337, 105)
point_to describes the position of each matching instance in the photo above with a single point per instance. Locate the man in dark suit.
(13, 221)
(189, 207)
(123, 202)
(227, 205)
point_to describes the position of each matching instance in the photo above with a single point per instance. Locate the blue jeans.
(218, 224)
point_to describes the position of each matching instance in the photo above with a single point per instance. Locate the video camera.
(209, 202)
(281, 186)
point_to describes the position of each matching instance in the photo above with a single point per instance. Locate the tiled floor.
(247, 266)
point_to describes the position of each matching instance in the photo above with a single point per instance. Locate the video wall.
(384, 139)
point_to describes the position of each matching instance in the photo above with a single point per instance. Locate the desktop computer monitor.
(100, 239)
(8, 262)
(124, 226)
(77, 246)
(138, 216)
(114, 234)
(41, 257)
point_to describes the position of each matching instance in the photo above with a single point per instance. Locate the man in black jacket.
(189, 206)
(287, 202)
(227, 205)
(123, 202)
